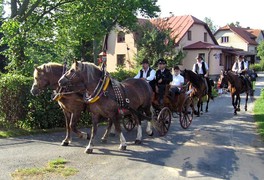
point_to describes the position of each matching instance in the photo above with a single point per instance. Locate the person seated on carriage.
(201, 68)
(163, 78)
(147, 73)
(177, 82)
(241, 67)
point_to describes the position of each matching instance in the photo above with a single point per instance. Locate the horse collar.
(99, 90)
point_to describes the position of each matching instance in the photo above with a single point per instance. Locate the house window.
(203, 55)
(221, 60)
(121, 37)
(189, 35)
(224, 39)
(205, 37)
(120, 60)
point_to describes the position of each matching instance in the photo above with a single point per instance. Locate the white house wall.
(234, 40)
(197, 35)
(211, 59)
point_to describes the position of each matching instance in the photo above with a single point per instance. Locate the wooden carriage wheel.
(164, 121)
(186, 114)
(129, 121)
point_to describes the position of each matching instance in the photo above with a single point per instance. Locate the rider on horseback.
(201, 68)
(241, 68)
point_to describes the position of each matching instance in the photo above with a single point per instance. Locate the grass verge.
(54, 168)
(259, 113)
(14, 132)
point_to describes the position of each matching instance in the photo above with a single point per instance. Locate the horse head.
(80, 73)
(44, 76)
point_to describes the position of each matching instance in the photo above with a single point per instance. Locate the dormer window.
(224, 39)
(121, 37)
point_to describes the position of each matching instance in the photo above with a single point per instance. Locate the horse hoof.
(64, 143)
(245, 109)
(88, 151)
(138, 141)
(104, 141)
(235, 113)
(238, 109)
(201, 112)
(206, 110)
(122, 147)
(112, 134)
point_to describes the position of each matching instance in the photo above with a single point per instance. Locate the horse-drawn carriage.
(174, 106)
(104, 100)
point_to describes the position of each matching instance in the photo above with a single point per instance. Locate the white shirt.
(177, 80)
(200, 70)
(152, 75)
(237, 69)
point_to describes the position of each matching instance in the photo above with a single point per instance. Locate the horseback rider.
(241, 67)
(201, 68)
(147, 73)
(163, 78)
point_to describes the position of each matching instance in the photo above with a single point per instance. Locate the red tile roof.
(242, 32)
(203, 45)
(255, 32)
(180, 25)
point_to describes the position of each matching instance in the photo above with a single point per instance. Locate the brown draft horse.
(47, 75)
(199, 89)
(236, 87)
(137, 92)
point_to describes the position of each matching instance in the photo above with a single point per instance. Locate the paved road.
(218, 145)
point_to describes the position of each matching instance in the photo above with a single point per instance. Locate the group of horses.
(104, 96)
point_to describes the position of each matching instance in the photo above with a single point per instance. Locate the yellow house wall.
(114, 49)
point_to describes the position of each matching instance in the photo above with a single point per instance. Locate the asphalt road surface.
(217, 145)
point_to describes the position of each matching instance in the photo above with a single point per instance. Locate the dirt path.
(218, 145)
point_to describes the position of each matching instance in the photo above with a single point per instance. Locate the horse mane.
(231, 76)
(90, 68)
(194, 79)
(47, 66)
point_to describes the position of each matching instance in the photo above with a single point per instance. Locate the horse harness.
(101, 90)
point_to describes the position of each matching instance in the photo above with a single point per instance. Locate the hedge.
(18, 108)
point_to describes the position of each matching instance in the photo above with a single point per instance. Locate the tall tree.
(45, 30)
(210, 24)
(236, 24)
(156, 41)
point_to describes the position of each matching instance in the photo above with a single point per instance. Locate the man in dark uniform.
(163, 78)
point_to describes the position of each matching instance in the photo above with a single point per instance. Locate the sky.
(221, 12)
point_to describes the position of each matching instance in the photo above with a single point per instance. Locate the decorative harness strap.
(118, 94)
(100, 88)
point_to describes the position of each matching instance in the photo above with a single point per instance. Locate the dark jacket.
(166, 76)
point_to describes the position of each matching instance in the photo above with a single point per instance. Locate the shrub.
(258, 66)
(13, 98)
(122, 74)
(18, 108)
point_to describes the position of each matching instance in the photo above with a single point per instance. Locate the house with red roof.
(193, 37)
(242, 38)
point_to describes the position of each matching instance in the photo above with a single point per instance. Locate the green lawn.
(259, 113)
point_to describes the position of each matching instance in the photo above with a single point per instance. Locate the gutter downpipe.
(209, 53)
